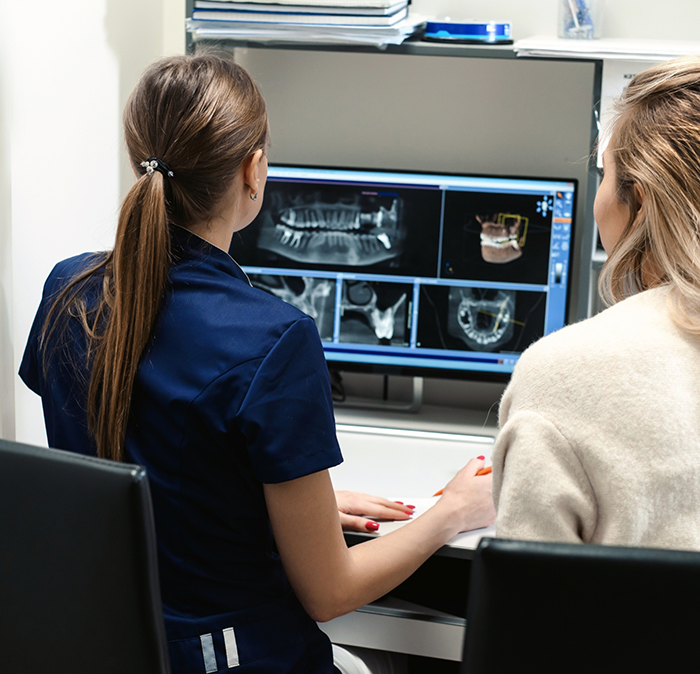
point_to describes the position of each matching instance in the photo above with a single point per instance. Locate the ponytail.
(134, 287)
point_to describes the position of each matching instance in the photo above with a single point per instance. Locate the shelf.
(409, 47)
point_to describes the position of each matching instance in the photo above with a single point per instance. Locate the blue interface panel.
(423, 272)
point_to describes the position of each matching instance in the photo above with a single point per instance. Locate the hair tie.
(155, 164)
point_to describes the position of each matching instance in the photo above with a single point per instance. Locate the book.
(222, 16)
(354, 4)
(307, 9)
(275, 33)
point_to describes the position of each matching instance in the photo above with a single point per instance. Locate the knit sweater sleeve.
(541, 490)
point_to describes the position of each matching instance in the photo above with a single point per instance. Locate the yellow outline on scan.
(520, 219)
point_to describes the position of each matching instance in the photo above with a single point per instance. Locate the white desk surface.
(408, 464)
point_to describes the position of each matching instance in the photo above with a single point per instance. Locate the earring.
(253, 197)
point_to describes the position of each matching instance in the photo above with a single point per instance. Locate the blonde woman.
(161, 353)
(600, 425)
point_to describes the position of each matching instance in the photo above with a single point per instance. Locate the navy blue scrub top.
(232, 393)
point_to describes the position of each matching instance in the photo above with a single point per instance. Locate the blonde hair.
(204, 117)
(655, 145)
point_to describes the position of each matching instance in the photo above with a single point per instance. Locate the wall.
(65, 75)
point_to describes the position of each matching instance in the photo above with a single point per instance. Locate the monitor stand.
(413, 406)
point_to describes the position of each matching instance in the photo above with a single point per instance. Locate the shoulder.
(70, 268)
(608, 351)
(229, 322)
(631, 324)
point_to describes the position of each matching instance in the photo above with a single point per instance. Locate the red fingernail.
(412, 507)
(409, 512)
(481, 458)
(399, 502)
(372, 526)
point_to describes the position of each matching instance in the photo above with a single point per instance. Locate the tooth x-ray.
(483, 318)
(368, 228)
(315, 227)
(479, 319)
(374, 313)
(313, 296)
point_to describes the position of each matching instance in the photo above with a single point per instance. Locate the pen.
(483, 471)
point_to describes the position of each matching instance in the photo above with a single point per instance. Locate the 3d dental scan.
(415, 271)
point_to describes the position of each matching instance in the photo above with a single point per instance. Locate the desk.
(411, 463)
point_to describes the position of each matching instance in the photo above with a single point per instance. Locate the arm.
(352, 506)
(331, 579)
(541, 490)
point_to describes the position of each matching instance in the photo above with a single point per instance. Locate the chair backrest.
(79, 588)
(557, 607)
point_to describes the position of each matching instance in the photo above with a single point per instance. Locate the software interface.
(415, 270)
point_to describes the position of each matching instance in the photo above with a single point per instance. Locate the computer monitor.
(417, 273)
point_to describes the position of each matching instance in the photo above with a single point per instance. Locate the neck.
(219, 236)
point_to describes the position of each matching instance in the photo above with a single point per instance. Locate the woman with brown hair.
(600, 425)
(161, 353)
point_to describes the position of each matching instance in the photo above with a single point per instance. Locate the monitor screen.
(415, 273)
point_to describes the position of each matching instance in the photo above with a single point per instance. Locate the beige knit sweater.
(600, 433)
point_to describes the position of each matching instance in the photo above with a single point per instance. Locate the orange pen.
(483, 471)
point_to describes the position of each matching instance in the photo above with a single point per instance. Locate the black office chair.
(552, 607)
(79, 587)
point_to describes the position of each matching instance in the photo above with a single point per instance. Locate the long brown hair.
(203, 116)
(655, 144)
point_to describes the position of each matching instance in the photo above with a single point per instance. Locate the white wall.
(66, 71)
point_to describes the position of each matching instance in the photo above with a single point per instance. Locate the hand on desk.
(352, 506)
(472, 488)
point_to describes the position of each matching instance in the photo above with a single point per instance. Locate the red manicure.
(399, 502)
(481, 458)
(372, 526)
(412, 507)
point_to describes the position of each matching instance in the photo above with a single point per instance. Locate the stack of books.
(378, 22)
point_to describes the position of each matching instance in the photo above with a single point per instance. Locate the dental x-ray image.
(331, 228)
(314, 296)
(359, 228)
(375, 313)
(496, 237)
(479, 319)
(484, 320)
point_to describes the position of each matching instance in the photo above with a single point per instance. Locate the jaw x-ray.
(374, 313)
(336, 227)
(469, 318)
(482, 318)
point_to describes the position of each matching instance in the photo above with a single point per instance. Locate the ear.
(253, 171)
